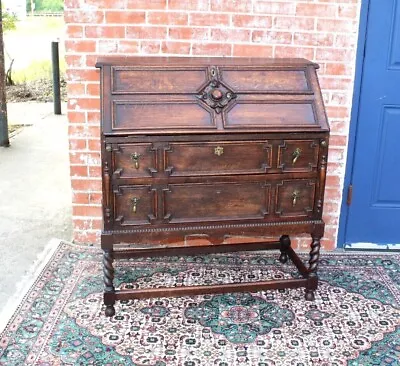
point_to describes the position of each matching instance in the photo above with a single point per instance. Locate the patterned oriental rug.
(355, 319)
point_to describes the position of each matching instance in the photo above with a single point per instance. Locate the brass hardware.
(219, 150)
(216, 94)
(295, 195)
(349, 194)
(135, 202)
(323, 143)
(135, 157)
(296, 154)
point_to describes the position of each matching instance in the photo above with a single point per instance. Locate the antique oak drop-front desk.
(212, 147)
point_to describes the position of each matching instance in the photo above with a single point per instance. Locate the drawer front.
(298, 155)
(217, 158)
(134, 160)
(135, 205)
(201, 202)
(295, 198)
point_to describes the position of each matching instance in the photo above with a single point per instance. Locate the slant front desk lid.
(174, 95)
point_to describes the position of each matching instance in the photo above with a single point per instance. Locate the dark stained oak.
(211, 148)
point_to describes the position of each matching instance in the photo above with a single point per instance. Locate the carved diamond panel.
(216, 95)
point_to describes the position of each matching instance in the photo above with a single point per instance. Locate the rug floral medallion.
(355, 319)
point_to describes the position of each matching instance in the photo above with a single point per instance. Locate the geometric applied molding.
(216, 94)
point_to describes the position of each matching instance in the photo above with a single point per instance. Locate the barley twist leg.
(108, 276)
(312, 267)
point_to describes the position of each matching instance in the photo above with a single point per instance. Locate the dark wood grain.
(298, 155)
(157, 81)
(266, 81)
(209, 289)
(295, 198)
(134, 160)
(262, 115)
(135, 205)
(217, 158)
(214, 202)
(211, 148)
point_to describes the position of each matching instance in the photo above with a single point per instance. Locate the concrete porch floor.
(35, 194)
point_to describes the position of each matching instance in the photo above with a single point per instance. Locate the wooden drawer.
(199, 202)
(134, 160)
(295, 198)
(135, 205)
(298, 155)
(217, 158)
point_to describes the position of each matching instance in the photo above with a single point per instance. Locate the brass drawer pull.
(219, 150)
(135, 202)
(135, 157)
(295, 196)
(296, 154)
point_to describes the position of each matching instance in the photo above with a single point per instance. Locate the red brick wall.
(321, 30)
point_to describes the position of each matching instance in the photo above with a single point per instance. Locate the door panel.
(374, 214)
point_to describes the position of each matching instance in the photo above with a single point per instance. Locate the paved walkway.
(35, 195)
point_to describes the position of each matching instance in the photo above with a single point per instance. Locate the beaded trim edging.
(211, 227)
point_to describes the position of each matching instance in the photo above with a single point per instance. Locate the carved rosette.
(216, 95)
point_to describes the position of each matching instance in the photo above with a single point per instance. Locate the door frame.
(354, 120)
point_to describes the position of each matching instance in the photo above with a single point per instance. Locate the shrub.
(9, 21)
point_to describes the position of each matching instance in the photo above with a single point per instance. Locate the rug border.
(26, 283)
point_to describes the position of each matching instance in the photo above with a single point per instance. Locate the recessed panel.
(295, 198)
(201, 202)
(395, 38)
(134, 160)
(135, 205)
(264, 81)
(264, 115)
(217, 158)
(387, 164)
(298, 155)
(157, 81)
(160, 116)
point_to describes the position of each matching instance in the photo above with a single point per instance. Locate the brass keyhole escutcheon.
(296, 154)
(219, 150)
(135, 202)
(135, 157)
(295, 196)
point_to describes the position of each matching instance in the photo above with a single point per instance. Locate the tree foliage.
(46, 5)
(9, 21)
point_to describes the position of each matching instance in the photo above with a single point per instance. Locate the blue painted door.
(374, 213)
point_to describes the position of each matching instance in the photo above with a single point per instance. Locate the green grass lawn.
(37, 26)
(30, 47)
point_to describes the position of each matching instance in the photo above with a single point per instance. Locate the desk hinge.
(349, 194)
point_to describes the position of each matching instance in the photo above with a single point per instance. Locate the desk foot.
(110, 310)
(284, 241)
(310, 296)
